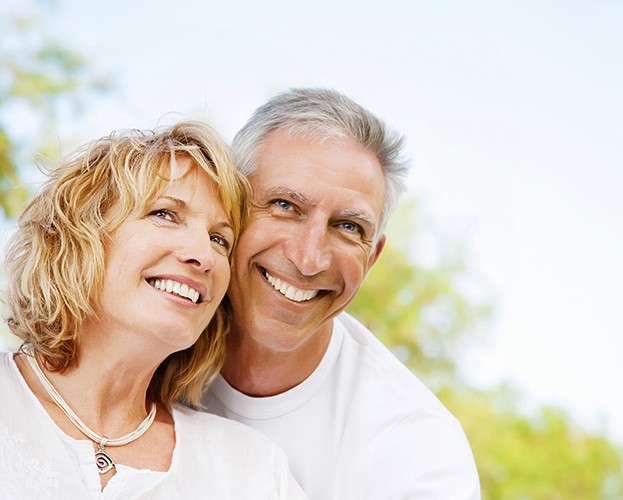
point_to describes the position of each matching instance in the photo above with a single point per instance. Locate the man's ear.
(377, 250)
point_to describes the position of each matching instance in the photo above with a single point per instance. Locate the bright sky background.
(514, 119)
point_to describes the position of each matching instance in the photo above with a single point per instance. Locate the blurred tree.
(542, 457)
(38, 76)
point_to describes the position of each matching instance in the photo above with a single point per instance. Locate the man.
(355, 423)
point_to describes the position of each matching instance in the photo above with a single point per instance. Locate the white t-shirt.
(361, 426)
(213, 458)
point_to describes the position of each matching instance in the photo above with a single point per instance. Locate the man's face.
(310, 240)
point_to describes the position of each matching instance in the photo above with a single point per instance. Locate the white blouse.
(214, 458)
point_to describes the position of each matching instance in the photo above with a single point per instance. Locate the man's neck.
(259, 371)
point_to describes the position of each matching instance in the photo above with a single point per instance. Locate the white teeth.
(176, 288)
(291, 292)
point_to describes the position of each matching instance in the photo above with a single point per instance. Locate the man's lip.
(185, 280)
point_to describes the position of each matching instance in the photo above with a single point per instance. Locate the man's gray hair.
(326, 114)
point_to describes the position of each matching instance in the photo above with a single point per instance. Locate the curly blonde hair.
(55, 261)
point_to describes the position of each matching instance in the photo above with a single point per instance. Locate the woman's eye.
(221, 241)
(162, 213)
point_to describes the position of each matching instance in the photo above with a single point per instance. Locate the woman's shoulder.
(211, 450)
(9, 374)
(6, 357)
(226, 448)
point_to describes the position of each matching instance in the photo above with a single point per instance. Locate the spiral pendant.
(103, 462)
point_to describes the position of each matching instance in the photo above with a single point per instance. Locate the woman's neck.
(106, 385)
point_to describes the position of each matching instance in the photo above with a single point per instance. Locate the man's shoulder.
(362, 336)
(377, 372)
(360, 341)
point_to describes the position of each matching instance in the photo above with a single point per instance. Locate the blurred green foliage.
(538, 457)
(39, 75)
(425, 314)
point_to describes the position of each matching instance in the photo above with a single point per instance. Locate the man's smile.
(290, 291)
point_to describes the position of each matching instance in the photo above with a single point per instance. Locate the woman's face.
(167, 270)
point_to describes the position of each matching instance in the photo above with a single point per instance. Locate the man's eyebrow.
(360, 214)
(284, 192)
(363, 217)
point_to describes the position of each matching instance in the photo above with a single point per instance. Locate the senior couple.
(148, 269)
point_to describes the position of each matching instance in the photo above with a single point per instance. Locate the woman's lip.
(185, 280)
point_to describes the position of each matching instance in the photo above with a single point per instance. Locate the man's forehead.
(334, 171)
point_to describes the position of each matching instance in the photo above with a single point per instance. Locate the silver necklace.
(102, 459)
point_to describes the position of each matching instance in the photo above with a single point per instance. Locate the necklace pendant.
(103, 462)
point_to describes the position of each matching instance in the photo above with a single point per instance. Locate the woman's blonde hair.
(55, 261)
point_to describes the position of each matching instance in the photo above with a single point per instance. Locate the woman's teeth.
(176, 288)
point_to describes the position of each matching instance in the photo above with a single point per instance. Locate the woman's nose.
(198, 251)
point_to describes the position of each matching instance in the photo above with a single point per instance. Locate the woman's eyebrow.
(178, 202)
(224, 225)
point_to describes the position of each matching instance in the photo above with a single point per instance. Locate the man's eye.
(351, 227)
(283, 204)
(162, 213)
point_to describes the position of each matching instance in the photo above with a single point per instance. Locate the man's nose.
(309, 248)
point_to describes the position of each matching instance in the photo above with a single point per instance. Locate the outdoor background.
(501, 286)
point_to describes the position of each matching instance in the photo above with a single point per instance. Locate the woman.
(116, 273)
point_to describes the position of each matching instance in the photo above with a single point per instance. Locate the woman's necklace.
(102, 460)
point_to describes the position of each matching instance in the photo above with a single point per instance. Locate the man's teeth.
(176, 288)
(292, 293)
